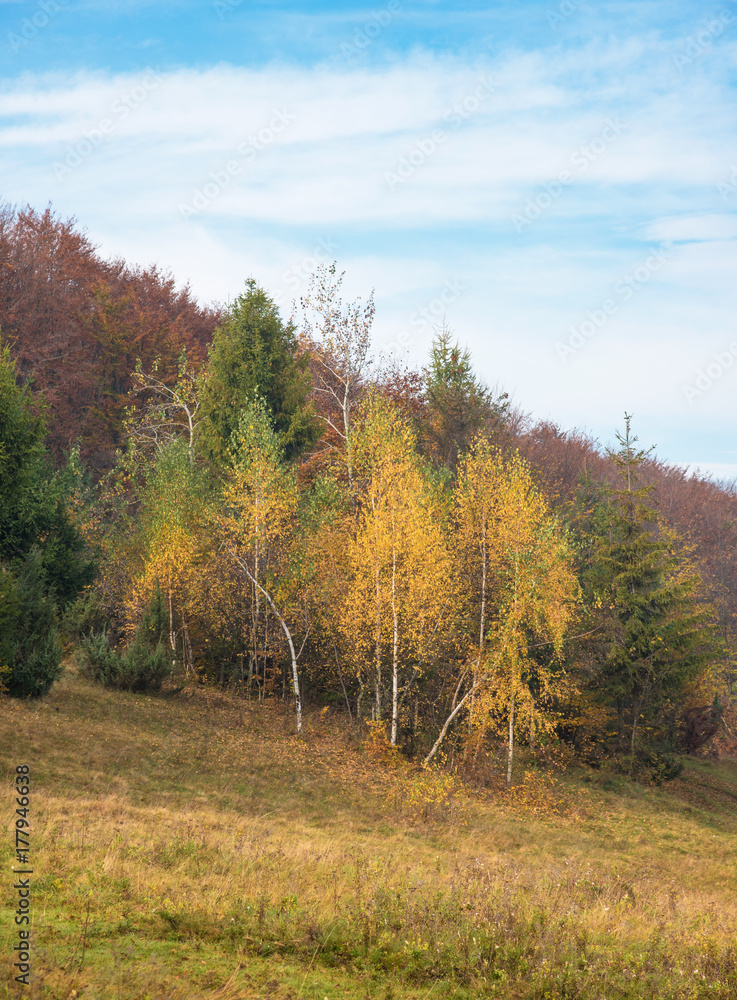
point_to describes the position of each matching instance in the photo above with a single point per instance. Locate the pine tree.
(42, 558)
(30, 640)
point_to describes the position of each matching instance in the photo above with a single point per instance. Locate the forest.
(236, 498)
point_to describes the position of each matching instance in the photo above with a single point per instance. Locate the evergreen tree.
(253, 355)
(459, 404)
(659, 637)
(28, 637)
(34, 508)
(26, 508)
(42, 558)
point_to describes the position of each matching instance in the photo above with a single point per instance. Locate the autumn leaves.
(399, 596)
(390, 573)
(317, 527)
(476, 582)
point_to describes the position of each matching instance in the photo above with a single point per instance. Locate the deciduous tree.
(520, 592)
(400, 598)
(337, 337)
(260, 501)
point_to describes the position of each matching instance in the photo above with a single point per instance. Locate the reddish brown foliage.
(77, 324)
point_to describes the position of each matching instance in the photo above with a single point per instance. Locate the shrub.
(144, 666)
(140, 668)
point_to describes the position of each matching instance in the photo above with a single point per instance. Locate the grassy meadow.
(189, 845)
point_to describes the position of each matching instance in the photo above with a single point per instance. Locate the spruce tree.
(254, 356)
(459, 404)
(659, 632)
(29, 639)
(42, 554)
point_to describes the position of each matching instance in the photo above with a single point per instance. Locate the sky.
(556, 181)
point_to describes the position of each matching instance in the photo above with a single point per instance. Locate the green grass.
(190, 846)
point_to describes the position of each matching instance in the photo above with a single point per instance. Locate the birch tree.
(260, 500)
(166, 410)
(338, 337)
(172, 544)
(400, 598)
(521, 590)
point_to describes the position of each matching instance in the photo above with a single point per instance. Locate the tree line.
(283, 514)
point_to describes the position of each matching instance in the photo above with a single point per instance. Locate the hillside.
(189, 845)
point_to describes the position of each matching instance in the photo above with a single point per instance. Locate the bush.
(144, 666)
(97, 659)
(140, 668)
(660, 764)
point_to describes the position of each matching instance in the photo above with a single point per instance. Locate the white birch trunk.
(377, 676)
(395, 652)
(172, 634)
(483, 588)
(287, 633)
(510, 745)
(448, 721)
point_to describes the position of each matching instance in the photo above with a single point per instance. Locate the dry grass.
(188, 846)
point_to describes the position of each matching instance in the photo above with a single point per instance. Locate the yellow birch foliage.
(257, 526)
(174, 546)
(400, 596)
(521, 590)
(260, 496)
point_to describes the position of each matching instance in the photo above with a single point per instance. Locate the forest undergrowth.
(188, 844)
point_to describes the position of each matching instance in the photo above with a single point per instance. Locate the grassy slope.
(184, 847)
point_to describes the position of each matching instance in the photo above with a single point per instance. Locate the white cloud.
(690, 228)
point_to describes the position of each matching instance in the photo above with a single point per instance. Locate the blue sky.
(558, 180)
